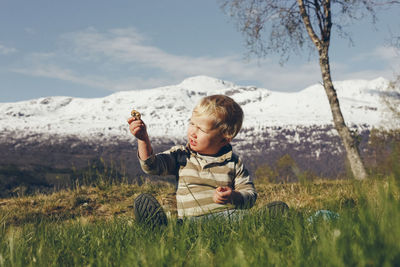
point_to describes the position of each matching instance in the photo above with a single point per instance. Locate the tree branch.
(307, 23)
(328, 21)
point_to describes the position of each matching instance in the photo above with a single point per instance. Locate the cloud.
(124, 59)
(4, 50)
(55, 72)
(30, 31)
(369, 64)
(127, 46)
(387, 54)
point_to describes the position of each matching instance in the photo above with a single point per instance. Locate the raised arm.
(138, 129)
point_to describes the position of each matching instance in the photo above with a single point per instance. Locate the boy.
(211, 178)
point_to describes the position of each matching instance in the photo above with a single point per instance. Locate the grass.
(94, 226)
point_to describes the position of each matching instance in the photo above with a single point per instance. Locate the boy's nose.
(192, 133)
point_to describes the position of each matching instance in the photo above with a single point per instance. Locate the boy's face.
(203, 138)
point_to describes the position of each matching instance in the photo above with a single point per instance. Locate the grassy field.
(95, 226)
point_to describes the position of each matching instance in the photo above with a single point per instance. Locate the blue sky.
(92, 48)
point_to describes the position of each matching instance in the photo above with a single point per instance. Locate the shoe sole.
(147, 210)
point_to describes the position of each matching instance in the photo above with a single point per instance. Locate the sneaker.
(147, 210)
(277, 208)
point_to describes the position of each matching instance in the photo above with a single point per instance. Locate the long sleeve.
(244, 185)
(165, 163)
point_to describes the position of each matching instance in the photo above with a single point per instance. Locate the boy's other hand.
(138, 128)
(223, 195)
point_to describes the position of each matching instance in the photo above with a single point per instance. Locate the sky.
(93, 48)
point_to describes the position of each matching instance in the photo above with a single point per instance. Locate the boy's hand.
(138, 128)
(223, 195)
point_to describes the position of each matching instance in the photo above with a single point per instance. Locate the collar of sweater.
(225, 154)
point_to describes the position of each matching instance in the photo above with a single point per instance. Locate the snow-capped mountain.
(167, 109)
(48, 141)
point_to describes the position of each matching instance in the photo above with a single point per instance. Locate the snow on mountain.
(166, 110)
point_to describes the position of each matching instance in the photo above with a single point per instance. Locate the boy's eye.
(193, 125)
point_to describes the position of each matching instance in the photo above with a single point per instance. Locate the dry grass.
(90, 203)
(315, 195)
(96, 203)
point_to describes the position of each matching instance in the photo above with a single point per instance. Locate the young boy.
(211, 178)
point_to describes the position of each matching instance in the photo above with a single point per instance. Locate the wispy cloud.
(370, 64)
(380, 53)
(129, 47)
(55, 72)
(30, 30)
(124, 59)
(95, 81)
(387, 52)
(4, 50)
(126, 46)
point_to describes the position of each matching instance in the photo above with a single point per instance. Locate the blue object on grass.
(326, 215)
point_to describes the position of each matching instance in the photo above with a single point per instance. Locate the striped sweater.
(198, 177)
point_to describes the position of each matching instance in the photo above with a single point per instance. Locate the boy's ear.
(226, 140)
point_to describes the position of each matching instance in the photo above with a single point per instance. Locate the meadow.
(95, 226)
(341, 222)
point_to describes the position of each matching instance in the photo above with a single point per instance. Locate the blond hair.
(227, 114)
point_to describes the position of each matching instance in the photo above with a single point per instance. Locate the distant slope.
(167, 109)
(50, 142)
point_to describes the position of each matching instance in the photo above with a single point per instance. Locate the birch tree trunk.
(322, 44)
(352, 152)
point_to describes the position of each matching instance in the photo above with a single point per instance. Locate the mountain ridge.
(167, 109)
(51, 142)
